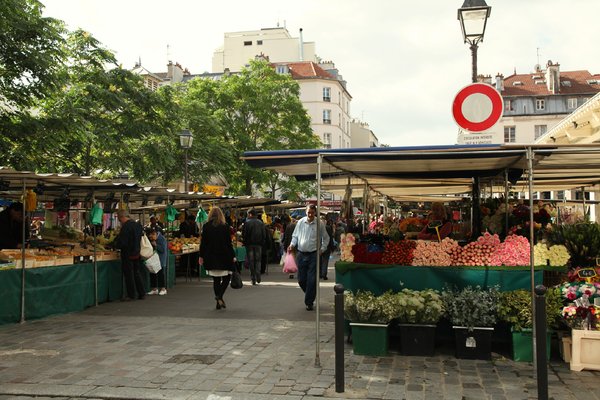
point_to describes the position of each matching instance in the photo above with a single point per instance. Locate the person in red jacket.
(439, 225)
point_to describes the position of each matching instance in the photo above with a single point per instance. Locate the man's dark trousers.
(307, 269)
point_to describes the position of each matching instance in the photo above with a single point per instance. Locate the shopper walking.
(304, 239)
(254, 237)
(328, 250)
(158, 280)
(128, 240)
(217, 254)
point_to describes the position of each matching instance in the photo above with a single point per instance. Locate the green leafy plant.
(364, 306)
(514, 307)
(472, 306)
(582, 240)
(418, 306)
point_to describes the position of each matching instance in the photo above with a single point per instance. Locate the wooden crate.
(585, 350)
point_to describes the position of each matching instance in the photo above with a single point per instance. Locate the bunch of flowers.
(540, 254)
(580, 317)
(513, 251)
(400, 252)
(367, 253)
(558, 255)
(365, 307)
(478, 252)
(430, 253)
(347, 242)
(575, 290)
(412, 224)
(418, 307)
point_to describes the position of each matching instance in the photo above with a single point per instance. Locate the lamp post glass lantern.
(473, 16)
(185, 142)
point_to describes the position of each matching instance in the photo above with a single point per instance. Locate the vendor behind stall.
(439, 225)
(11, 227)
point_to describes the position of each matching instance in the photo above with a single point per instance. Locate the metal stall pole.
(506, 202)
(95, 256)
(365, 208)
(583, 200)
(317, 272)
(167, 239)
(23, 227)
(531, 258)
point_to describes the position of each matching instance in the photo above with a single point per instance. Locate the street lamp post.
(185, 142)
(473, 17)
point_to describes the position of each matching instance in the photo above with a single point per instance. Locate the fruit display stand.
(379, 278)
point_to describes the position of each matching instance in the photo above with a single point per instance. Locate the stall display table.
(380, 278)
(64, 289)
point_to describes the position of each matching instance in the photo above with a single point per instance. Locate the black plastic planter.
(475, 344)
(417, 340)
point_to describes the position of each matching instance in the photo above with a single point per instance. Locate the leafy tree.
(257, 109)
(100, 119)
(30, 54)
(290, 188)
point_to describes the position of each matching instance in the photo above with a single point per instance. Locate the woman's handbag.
(146, 249)
(236, 280)
(153, 263)
(289, 266)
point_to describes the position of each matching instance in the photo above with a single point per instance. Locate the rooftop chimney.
(553, 77)
(500, 82)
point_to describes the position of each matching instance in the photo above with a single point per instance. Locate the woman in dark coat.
(216, 253)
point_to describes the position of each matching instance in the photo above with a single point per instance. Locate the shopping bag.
(146, 249)
(153, 263)
(289, 266)
(236, 280)
(282, 260)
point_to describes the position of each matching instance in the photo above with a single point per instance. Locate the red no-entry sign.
(477, 107)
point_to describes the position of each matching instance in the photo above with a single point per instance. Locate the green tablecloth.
(380, 278)
(63, 289)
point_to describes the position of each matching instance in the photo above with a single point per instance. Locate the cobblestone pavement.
(262, 347)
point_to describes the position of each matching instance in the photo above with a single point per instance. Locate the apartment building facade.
(362, 135)
(275, 43)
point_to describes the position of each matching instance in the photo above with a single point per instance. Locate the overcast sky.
(404, 61)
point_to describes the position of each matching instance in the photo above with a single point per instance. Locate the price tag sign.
(586, 273)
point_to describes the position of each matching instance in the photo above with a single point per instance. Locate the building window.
(572, 103)
(259, 42)
(540, 130)
(510, 134)
(508, 105)
(327, 140)
(339, 119)
(327, 94)
(579, 195)
(248, 43)
(327, 117)
(540, 104)
(560, 195)
(282, 69)
(546, 195)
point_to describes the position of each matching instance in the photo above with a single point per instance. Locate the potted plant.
(417, 313)
(473, 313)
(515, 308)
(369, 317)
(583, 319)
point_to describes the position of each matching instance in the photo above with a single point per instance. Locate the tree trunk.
(248, 186)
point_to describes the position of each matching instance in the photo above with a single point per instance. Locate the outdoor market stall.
(439, 170)
(57, 278)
